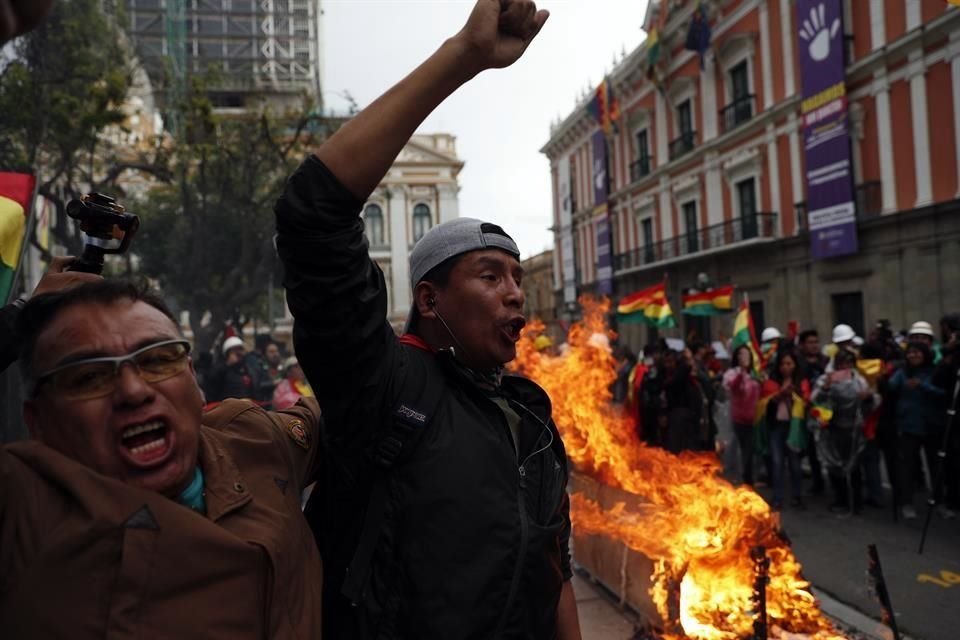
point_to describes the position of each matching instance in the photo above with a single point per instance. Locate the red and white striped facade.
(903, 88)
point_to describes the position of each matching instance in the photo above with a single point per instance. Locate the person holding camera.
(131, 512)
(444, 511)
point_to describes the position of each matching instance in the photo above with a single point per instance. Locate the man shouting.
(442, 512)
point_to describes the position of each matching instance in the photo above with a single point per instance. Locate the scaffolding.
(253, 50)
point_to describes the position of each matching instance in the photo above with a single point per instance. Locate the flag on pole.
(745, 334)
(648, 306)
(604, 107)
(714, 302)
(16, 192)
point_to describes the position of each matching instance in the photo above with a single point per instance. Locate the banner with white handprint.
(831, 210)
(601, 215)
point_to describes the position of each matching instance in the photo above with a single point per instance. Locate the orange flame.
(688, 519)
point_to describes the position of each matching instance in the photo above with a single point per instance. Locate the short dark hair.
(809, 333)
(922, 348)
(262, 341)
(39, 311)
(439, 276)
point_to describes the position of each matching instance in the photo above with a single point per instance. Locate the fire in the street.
(692, 523)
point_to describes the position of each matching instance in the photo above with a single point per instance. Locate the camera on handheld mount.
(108, 228)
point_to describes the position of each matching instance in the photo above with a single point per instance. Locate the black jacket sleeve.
(336, 293)
(8, 335)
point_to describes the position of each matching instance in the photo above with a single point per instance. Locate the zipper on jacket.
(521, 555)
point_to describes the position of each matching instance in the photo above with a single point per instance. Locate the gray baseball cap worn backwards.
(451, 239)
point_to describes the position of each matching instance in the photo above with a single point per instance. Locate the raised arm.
(495, 35)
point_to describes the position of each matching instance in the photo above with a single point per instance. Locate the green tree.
(63, 91)
(207, 236)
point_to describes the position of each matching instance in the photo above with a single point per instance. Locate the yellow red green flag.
(16, 192)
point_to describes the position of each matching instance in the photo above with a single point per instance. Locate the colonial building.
(538, 288)
(710, 166)
(420, 190)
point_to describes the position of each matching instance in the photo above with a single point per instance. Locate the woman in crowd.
(848, 395)
(782, 412)
(919, 418)
(293, 386)
(744, 392)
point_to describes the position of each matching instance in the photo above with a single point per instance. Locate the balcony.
(640, 168)
(736, 113)
(682, 145)
(718, 236)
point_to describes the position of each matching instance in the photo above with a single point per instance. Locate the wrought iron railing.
(731, 232)
(640, 168)
(684, 144)
(736, 113)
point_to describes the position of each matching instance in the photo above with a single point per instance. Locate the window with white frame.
(421, 221)
(736, 60)
(373, 223)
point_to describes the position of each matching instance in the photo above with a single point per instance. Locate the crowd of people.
(866, 417)
(268, 375)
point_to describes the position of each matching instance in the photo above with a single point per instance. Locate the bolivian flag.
(649, 306)
(16, 192)
(744, 334)
(709, 303)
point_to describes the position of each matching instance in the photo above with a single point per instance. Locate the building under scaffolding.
(255, 51)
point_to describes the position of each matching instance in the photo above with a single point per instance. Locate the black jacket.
(476, 534)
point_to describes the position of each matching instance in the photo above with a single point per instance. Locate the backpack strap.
(395, 443)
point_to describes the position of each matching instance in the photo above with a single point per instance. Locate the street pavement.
(924, 589)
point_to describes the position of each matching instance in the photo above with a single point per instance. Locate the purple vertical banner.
(601, 215)
(831, 212)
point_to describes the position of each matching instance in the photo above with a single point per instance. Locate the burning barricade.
(711, 546)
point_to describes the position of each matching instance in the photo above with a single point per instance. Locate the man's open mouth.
(514, 328)
(146, 442)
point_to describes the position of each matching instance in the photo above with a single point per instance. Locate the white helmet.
(843, 333)
(231, 343)
(921, 328)
(770, 333)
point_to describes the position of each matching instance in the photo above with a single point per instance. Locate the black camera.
(107, 226)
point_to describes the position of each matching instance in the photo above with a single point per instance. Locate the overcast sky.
(502, 118)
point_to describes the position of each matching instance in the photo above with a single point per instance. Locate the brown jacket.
(86, 556)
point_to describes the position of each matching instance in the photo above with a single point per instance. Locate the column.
(881, 93)
(399, 251)
(796, 175)
(773, 167)
(878, 25)
(914, 18)
(449, 204)
(663, 155)
(666, 210)
(787, 38)
(708, 92)
(954, 53)
(917, 73)
(714, 186)
(765, 63)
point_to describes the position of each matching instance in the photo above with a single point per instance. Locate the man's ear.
(30, 417)
(425, 297)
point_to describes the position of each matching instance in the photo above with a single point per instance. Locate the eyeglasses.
(97, 377)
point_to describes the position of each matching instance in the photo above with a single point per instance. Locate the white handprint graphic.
(815, 32)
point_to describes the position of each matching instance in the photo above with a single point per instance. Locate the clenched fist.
(499, 31)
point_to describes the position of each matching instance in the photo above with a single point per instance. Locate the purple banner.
(601, 224)
(601, 216)
(831, 212)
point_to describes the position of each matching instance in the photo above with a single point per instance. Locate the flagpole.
(28, 233)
